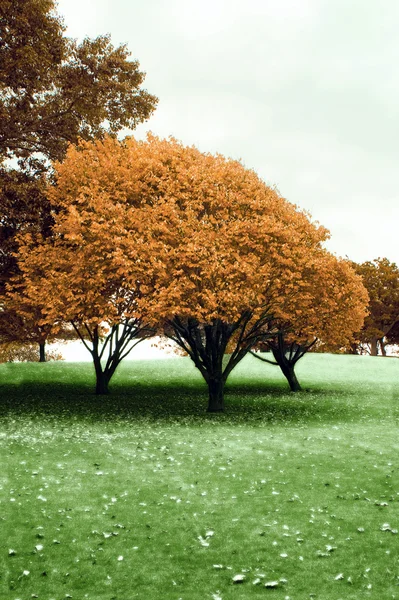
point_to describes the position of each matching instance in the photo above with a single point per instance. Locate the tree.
(381, 279)
(21, 325)
(24, 352)
(84, 272)
(199, 245)
(286, 354)
(238, 249)
(327, 310)
(68, 277)
(53, 91)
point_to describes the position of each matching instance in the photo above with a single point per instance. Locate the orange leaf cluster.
(330, 303)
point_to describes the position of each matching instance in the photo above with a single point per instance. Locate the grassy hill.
(143, 494)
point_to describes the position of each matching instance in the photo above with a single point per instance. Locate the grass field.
(143, 495)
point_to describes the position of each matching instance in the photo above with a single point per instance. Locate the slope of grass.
(144, 495)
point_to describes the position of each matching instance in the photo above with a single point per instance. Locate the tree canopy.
(55, 90)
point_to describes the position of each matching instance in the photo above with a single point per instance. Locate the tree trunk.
(42, 352)
(206, 344)
(216, 395)
(289, 373)
(101, 383)
(373, 347)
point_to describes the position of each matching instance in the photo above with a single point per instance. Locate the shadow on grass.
(175, 401)
(174, 390)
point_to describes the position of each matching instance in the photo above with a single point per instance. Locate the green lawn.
(143, 495)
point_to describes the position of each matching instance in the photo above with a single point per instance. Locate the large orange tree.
(327, 311)
(189, 243)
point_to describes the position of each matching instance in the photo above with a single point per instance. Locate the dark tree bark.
(102, 381)
(354, 348)
(289, 373)
(42, 352)
(216, 395)
(206, 345)
(373, 347)
(286, 356)
(108, 351)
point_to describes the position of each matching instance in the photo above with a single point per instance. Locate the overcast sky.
(306, 92)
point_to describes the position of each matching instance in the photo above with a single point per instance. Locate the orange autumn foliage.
(156, 228)
(330, 304)
(325, 314)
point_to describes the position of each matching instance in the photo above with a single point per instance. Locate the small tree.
(84, 273)
(328, 308)
(286, 354)
(21, 325)
(77, 284)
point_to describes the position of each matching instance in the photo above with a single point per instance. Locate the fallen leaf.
(203, 542)
(209, 534)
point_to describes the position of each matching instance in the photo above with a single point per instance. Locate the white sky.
(306, 92)
(146, 349)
